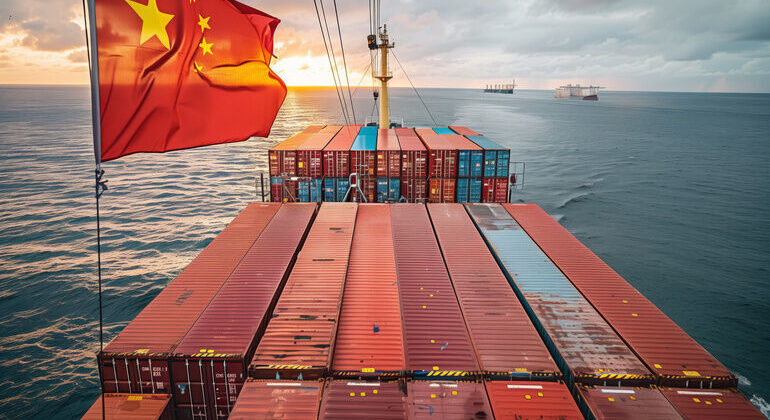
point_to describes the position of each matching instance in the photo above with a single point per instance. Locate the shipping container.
(281, 194)
(442, 190)
(494, 190)
(388, 190)
(388, 154)
(211, 362)
(414, 190)
(299, 340)
(507, 344)
(131, 406)
(469, 190)
(496, 158)
(284, 400)
(369, 337)
(436, 339)
(363, 161)
(584, 346)
(711, 404)
(465, 131)
(624, 403)
(310, 152)
(283, 156)
(666, 350)
(335, 189)
(137, 360)
(310, 191)
(442, 154)
(336, 154)
(345, 400)
(447, 400)
(414, 155)
(531, 400)
(469, 163)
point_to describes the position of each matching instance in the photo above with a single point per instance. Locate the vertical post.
(262, 185)
(384, 77)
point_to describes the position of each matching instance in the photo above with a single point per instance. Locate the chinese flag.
(176, 74)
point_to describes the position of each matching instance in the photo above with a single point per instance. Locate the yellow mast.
(384, 77)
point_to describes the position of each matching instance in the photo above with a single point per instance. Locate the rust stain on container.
(711, 404)
(609, 403)
(435, 336)
(211, 362)
(299, 339)
(363, 400)
(532, 400)
(137, 360)
(506, 342)
(131, 406)
(284, 400)
(369, 338)
(663, 346)
(448, 400)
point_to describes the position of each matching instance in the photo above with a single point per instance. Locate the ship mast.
(384, 75)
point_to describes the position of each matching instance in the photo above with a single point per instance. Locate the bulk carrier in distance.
(586, 93)
(391, 277)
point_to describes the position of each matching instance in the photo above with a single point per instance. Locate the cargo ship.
(387, 275)
(586, 93)
(501, 88)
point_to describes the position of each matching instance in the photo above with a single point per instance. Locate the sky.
(650, 45)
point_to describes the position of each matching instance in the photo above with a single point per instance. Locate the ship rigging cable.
(334, 59)
(344, 62)
(415, 89)
(326, 46)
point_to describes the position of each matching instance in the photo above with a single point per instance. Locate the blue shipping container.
(366, 139)
(496, 157)
(469, 190)
(330, 189)
(388, 189)
(469, 162)
(584, 346)
(503, 162)
(342, 188)
(310, 192)
(490, 163)
(443, 130)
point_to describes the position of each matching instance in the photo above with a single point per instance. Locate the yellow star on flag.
(153, 21)
(206, 47)
(204, 22)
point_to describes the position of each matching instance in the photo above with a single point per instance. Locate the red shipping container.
(369, 340)
(609, 403)
(363, 162)
(532, 400)
(436, 340)
(283, 157)
(131, 406)
(465, 131)
(442, 190)
(336, 154)
(668, 351)
(137, 360)
(448, 400)
(388, 154)
(286, 400)
(279, 194)
(363, 400)
(310, 152)
(443, 151)
(501, 190)
(506, 342)
(414, 155)
(414, 190)
(211, 362)
(708, 404)
(299, 340)
(494, 190)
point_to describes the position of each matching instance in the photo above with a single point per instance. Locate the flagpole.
(89, 14)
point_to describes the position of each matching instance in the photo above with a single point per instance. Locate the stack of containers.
(131, 406)
(369, 340)
(414, 166)
(450, 156)
(211, 362)
(283, 163)
(531, 400)
(469, 172)
(363, 161)
(711, 404)
(278, 400)
(336, 163)
(310, 164)
(669, 352)
(613, 402)
(436, 339)
(584, 346)
(496, 164)
(388, 166)
(137, 360)
(299, 340)
(507, 344)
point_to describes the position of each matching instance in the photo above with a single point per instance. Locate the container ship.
(387, 275)
(586, 93)
(501, 88)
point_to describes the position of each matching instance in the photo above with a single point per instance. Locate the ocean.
(670, 189)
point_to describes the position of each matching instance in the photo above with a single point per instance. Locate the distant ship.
(501, 88)
(587, 93)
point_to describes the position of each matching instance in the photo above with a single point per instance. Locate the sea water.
(670, 189)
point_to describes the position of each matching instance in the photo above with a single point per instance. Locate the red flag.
(176, 74)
